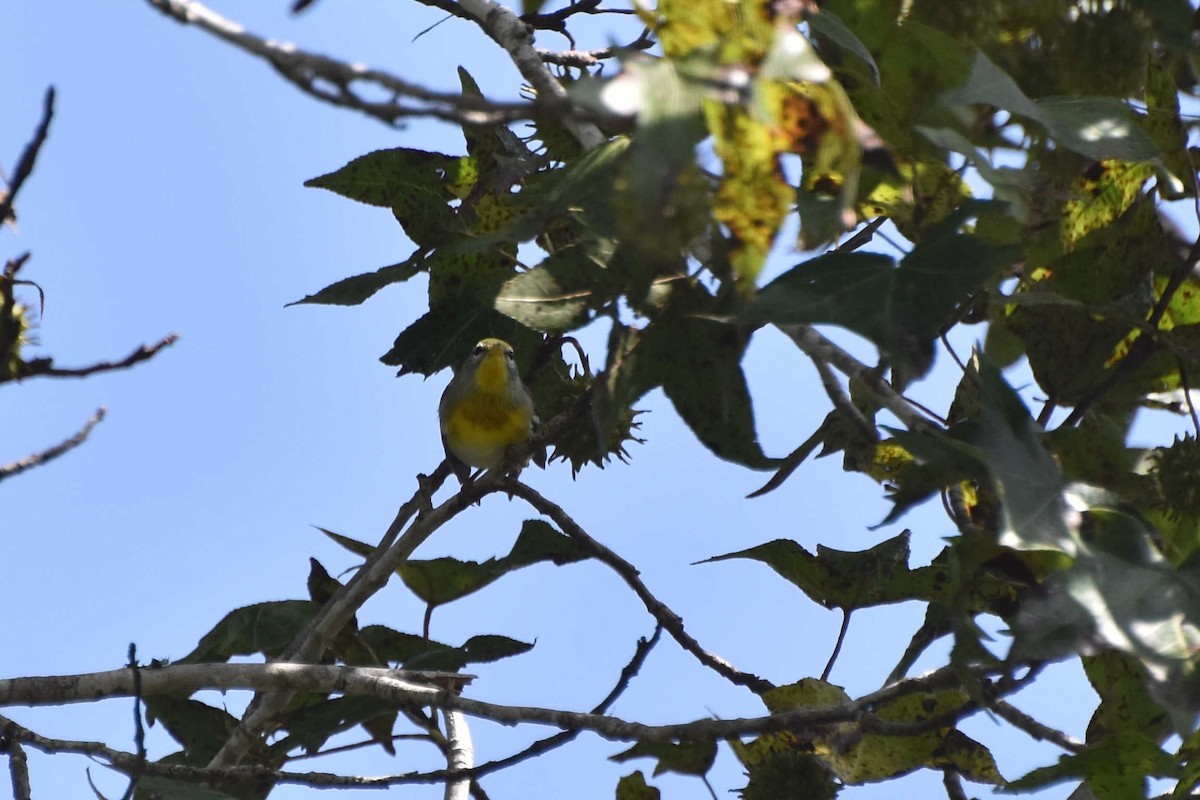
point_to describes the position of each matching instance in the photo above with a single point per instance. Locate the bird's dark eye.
(510, 355)
(479, 350)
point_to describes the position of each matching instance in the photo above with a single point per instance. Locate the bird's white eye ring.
(479, 350)
(511, 355)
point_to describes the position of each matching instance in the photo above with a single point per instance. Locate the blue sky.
(169, 198)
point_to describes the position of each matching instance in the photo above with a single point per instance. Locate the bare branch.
(1022, 721)
(953, 783)
(334, 81)
(392, 550)
(517, 39)
(18, 766)
(818, 348)
(659, 610)
(28, 157)
(460, 755)
(45, 366)
(582, 59)
(37, 459)
(400, 688)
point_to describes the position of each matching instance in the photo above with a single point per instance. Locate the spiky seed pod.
(1177, 471)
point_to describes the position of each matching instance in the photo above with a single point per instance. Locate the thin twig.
(139, 733)
(841, 401)
(861, 237)
(28, 157)
(837, 647)
(818, 348)
(392, 550)
(334, 81)
(659, 610)
(37, 459)
(562, 737)
(516, 37)
(953, 783)
(1039, 731)
(45, 366)
(583, 59)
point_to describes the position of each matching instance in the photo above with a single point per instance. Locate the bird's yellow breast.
(490, 417)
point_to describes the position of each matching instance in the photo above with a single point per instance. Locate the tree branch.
(460, 755)
(582, 59)
(402, 689)
(820, 349)
(516, 38)
(334, 81)
(28, 157)
(45, 366)
(659, 610)
(18, 766)
(1022, 721)
(37, 459)
(392, 550)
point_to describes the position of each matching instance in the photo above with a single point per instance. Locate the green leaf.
(830, 26)
(395, 647)
(383, 177)
(697, 362)
(412, 183)
(1120, 593)
(540, 541)
(1002, 447)
(634, 787)
(476, 650)
(1033, 514)
(1095, 127)
(441, 580)
(878, 757)
(555, 296)
(353, 545)
(265, 628)
(899, 309)
(444, 337)
(1106, 192)
(417, 653)
(846, 580)
(315, 723)
(684, 758)
(198, 727)
(1117, 768)
(354, 290)
(155, 786)
(1125, 702)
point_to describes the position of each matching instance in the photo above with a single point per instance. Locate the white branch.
(517, 39)
(461, 755)
(334, 81)
(402, 689)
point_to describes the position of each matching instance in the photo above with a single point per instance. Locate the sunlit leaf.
(1096, 127)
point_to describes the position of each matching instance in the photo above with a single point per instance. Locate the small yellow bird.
(485, 410)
